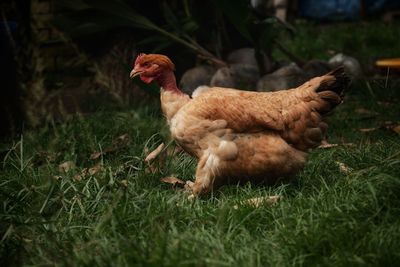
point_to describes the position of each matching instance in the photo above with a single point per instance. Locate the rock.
(351, 65)
(241, 76)
(289, 76)
(195, 77)
(246, 56)
(223, 78)
(242, 56)
(315, 68)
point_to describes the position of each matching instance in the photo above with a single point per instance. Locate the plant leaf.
(71, 4)
(257, 202)
(173, 180)
(238, 14)
(150, 157)
(124, 13)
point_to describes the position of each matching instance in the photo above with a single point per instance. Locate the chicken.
(239, 136)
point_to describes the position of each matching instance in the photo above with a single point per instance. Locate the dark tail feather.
(332, 90)
(338, 85)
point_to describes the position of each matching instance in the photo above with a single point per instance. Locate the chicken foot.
(205, 174)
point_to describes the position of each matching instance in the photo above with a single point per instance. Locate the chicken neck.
(172, 98)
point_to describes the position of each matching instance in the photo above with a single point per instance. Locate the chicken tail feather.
(338, 84)
(332, 88)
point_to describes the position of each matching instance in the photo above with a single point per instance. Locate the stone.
(351, 65)
(286, 77)
(316, 68)
(246, 56)
(242, 56)
(195, 77)
(240, 76)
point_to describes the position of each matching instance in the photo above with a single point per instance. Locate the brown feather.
(155, 58)
(241, 136)
(250, 136)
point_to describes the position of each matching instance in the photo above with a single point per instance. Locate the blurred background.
(67, 56)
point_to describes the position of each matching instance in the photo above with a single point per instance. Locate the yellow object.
(389, 63)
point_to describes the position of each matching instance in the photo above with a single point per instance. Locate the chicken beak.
(135, 73)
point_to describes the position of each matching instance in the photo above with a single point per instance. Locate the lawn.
(78, 193)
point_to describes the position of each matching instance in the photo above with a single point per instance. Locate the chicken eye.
(147, 64)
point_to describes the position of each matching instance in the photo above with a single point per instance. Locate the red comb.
(138, 57)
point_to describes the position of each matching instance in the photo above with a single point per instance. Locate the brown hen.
(240, 136)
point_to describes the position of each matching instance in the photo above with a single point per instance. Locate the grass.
(122, 215)
(366, 41)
